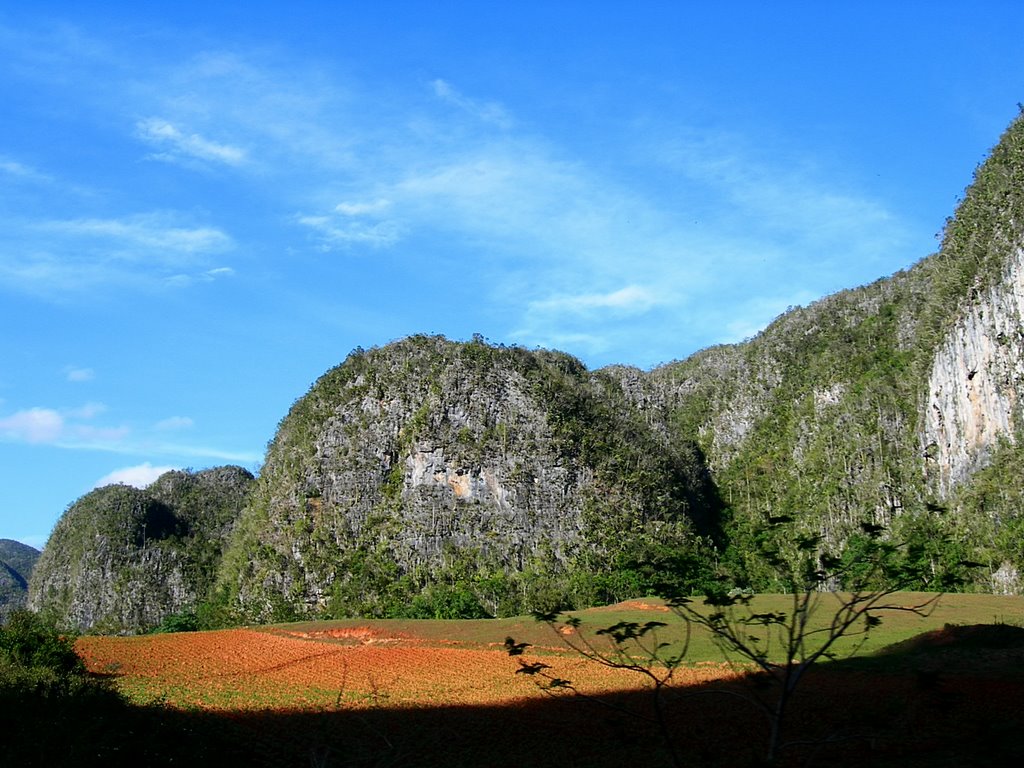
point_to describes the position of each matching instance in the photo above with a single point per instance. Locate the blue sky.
(203, 209)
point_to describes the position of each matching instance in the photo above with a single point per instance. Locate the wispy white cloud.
(783, 199)
(487, 111)
(17, 170)
(353, 223)
(334, 231)
(363, 208)
(174, 423)
(34, 426)
(139, 476)
(286, 121)
(632, 299)
(592, 323)
(78, 374)
(87, 411)
(566, 247)
(498, 187)
(95, 438)
(141, 235)
(76, 429)
(177, 144)
(76, 256)
(183, 280)
(69, 428)
(41, 273)
(206, 452)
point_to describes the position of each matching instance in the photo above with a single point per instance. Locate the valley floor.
(446, 694)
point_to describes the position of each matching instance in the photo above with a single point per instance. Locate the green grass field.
(896, 626)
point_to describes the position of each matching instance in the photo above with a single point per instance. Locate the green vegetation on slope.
(122, 559)
(436, 478)
(819, 417)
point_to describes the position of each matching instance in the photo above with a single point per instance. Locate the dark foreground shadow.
(913, 708)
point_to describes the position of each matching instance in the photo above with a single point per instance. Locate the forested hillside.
(123, 559)
(439, 478)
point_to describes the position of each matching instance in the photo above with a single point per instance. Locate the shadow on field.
(940, 703)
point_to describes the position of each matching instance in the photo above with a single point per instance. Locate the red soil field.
(245, 669)
(360, 696)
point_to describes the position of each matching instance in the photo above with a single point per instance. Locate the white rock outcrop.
(975, 377)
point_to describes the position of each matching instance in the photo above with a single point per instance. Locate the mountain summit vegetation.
(444, 479)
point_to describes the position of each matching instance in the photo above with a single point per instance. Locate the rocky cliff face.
(433, 461)
(976, 379)
(122, 559)
(16, 563)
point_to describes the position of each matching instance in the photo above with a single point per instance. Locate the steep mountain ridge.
(430, 468)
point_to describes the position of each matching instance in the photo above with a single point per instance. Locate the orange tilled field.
(242, 669)
(371, 696)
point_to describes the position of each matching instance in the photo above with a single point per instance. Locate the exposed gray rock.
(427, 452)
(975, 382)
(122, 559)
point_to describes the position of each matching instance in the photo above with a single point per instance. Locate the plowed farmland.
(447, 694)
(248, 669)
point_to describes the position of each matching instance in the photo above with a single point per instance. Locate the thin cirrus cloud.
(174, 424)
(785, 201)
(77, 374)
(75, 429)
(205, 452)
(342, 231)
(87, 411)
(55, 258)
(175, 144)
(144, 234)
(353, 222)
(184, 280)
(363, 208)
(535, 214)
(632, 299)
(67, 429)
(33, 425)
(548, 222)
(595, 321)
(489, 111)
(21, 171)
(514, 194)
